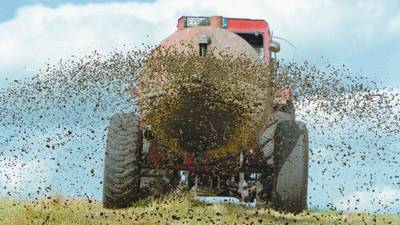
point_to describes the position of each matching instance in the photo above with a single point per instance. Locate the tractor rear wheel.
(121, 162)
(290, 167)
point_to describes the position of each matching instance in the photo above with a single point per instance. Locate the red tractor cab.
(255, 32)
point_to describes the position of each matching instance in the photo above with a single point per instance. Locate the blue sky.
(363, 34)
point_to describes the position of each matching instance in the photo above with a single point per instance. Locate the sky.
(364, 35)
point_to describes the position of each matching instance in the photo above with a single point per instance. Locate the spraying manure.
(197, 104)
(190, 104)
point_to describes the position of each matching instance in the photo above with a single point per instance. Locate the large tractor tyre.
(121, 162)
(290, 167)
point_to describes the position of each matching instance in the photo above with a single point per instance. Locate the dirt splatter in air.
(53, 125)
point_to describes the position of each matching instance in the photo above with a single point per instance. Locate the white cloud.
(17, 175)
(382, 199)
(38, 33)
(394, 23)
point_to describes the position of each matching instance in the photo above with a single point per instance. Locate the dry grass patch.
(170, 210)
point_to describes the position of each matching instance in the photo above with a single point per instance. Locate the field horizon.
(172, 209)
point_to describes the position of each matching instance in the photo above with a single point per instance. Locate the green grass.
(170, 210)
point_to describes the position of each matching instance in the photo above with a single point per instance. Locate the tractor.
(197, 136)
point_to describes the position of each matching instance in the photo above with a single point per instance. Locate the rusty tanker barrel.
(204, 90)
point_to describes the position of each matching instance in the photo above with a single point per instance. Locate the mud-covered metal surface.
(215, 102)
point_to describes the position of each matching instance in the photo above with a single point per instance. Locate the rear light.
(224, 22)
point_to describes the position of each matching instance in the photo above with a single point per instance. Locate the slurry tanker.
(210, 118)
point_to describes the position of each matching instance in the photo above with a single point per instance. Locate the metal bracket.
(203, 42)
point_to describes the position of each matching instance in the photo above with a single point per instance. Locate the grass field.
(171, 210)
